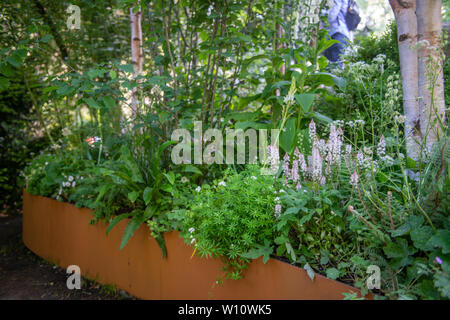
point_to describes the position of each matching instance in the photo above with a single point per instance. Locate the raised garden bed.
(61, 233)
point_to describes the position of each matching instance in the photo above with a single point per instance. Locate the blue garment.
(336, 18)
(334, 52)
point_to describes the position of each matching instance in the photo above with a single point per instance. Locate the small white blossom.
(277, 210)
(286, 170)
(381, 148)
(289, 99)
(184, 179)
(312, 131)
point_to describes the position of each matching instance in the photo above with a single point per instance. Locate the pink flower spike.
(354, 179)
(438, 260)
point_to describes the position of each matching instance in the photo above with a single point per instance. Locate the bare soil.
(25, 276)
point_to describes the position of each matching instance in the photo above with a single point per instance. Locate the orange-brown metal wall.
(61, 233)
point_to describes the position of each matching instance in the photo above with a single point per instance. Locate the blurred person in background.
(343, 18)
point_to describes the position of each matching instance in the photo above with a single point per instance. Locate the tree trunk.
(136, 53)
(405, 15)
(431, 81)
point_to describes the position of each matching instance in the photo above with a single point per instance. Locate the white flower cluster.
(222, 183)
(69, 183)
(399, 118)
(381, 148)
(184, 180)
(380, 59)
(392, 96)
(273, 157)
(289, 99)
(191, 235)
(278, 207)
(355, 123)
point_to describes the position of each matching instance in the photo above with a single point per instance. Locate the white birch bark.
(405, 15)
(136, 54)
(430, 71)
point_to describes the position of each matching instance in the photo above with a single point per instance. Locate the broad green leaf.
(332, 273)
(6, 70)
(116, 220)
(325, 257)
(400, 253)
(132, 196)
(167, 188)
(170, 177)
(15, 61)
(163, 147)
(132, 226)
(322, 118)
(244, 125)
(126, 67)
(192, 169)
(147, 195)
(305, 100)
(412, 222)
(162, 244)
(149, 212)
(291, 251)
(92, 103)
(309, 271)
(109, 102)
(94, 73)
(255, 253)
(288, 136)
(102, 192)
(421, 237)
(442, 240)
(4, 83)
(442, 283)
(306, 218)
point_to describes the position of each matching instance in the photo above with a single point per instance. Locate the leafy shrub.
(229, 218)
(55, 175)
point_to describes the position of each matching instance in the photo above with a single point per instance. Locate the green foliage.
(313, 230)
(55, 176)
(225, 64)
(233, 219)
(371, 46)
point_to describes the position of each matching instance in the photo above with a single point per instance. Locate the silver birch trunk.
(136, 54)
(431, 81)
(405, 15)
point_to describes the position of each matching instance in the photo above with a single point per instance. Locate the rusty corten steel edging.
(61, 233)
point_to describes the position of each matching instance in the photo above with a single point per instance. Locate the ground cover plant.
(338, 186)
